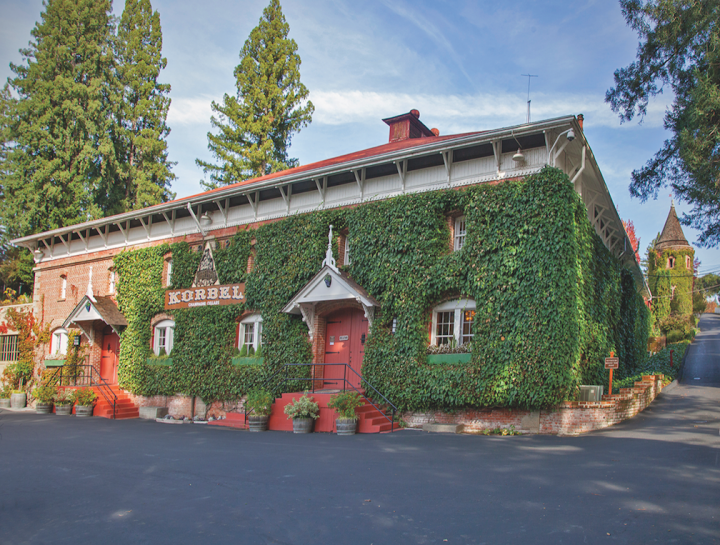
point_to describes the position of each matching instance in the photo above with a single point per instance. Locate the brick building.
(75, 279)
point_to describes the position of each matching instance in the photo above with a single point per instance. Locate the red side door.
(346, 333)
(109, 355)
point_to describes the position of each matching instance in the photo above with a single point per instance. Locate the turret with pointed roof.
(672, 236)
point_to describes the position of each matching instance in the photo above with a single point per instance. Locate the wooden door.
(345, 336)
(109, 355)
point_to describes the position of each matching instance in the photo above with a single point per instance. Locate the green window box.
(444, 359)
(159, 361)
(247, 360)
(54, 363)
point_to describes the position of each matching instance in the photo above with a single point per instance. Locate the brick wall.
(570, 418)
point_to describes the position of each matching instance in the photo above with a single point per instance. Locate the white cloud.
(462, 113)
(190, 111)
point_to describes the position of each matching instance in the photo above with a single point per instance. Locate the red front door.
(109, 355)
(345, 337)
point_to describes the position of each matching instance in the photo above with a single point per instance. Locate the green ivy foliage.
(551, 299)
(661, 279)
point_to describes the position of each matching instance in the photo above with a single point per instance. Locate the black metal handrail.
(84, 375)
(345, 382)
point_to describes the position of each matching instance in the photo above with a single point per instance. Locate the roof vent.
(407, 126)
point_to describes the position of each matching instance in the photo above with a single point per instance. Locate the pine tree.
(62, 125)
(144, 175)
(255, 127)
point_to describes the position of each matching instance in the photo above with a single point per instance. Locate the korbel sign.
(206, 290)
(231, 294)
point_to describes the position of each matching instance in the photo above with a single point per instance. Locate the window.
(8, 348)
(688, 262)
(111, 284)
(63, 287)
(459, 233)
(59, 341)
(671, 262)
(169, 273)
(394, 326)
(250, 332)
(163, 337)
(453, 322)
(346, 257)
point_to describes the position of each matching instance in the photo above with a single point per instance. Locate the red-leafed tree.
(634, 240)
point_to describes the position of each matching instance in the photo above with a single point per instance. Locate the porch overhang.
(329, 285)
(87, 312)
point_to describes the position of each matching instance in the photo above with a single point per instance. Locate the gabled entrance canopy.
(100, 308)
(329, 285)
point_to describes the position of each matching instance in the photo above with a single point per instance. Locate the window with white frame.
(8, 348)
(63, 287)
(163, 337)
(460, 232)
(452, 322)
(59, 341)
(250, 332)
(168, 281)
(346, 257)
(111, 282)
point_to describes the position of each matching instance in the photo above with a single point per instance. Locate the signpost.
(611, 363)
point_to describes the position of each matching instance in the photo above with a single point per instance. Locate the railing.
(84, 375)
(345, 382)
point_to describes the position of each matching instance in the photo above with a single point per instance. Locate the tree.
(634, 240)
(255, 127)
(144, 175)
(61, 124)
(679, 48)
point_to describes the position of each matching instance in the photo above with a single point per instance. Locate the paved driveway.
(654, 479)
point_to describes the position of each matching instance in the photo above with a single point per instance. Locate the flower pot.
(63, 410)
(83, 410)
(18, 401)
(43, 408)
(258, 423)
(303, 425)
(5, 403)
(346, 426)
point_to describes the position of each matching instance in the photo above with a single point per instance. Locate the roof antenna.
(528, 76)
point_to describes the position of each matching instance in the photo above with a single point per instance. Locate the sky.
(459, 62)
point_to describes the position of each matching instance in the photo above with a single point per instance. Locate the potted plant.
(63, 402)
(44, 396)
(303, 411)
(18, 399)
(345, 405)
(4, 397)
(259, 402)
(84, 399)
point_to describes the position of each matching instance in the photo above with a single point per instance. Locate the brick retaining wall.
(569, 418)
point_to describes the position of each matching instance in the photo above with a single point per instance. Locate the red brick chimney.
(407, 126)
(580, 119)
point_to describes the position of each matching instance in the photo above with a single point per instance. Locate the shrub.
(345, 404)
(45, 394)
(84, 397)
(303, 407)
(259, 402)
(63, 397)
(676, 322)
(675, 336)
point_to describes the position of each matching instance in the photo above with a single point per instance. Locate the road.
(653, 479)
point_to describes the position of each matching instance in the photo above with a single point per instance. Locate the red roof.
(362, 154)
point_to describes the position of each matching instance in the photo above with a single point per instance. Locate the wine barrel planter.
(5, 403)
(18, 401)
(258, 423)
(83, 410)
(346, 426)
(63, 410)
(303, 425)
(43, 408)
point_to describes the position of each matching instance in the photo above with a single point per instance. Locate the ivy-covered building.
(486, 269)
(671, 270)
